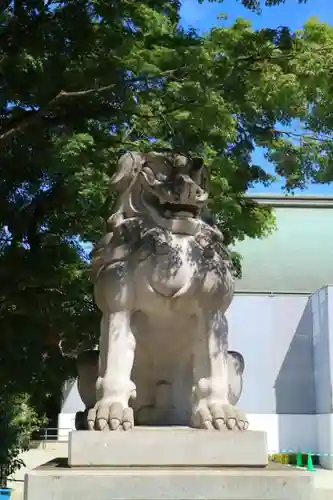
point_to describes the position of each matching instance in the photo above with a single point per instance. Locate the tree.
(255, 5)
(18, 421)
(80, 81)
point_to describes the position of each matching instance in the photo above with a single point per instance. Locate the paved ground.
(34, 458)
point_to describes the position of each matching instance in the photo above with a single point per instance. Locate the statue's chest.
(182, 265)
(170, 266)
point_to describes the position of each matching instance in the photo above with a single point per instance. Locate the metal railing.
(49, 435)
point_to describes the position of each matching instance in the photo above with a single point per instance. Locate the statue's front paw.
(110, 415)
(219, 417)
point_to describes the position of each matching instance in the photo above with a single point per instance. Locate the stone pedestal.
(167, 463)
(167, 447)
(58, 482)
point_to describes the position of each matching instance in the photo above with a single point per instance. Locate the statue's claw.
(220, 417)
(110, 416)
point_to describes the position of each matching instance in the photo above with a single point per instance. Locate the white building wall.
(322, 314)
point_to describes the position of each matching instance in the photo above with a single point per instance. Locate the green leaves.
(18, 421)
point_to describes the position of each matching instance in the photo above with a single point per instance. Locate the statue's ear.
(205, 178)
(129, 164)
(197, 163)
(199, 167)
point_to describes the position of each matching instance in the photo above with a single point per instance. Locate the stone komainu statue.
(163, 281)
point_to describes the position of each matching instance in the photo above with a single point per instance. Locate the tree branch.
(274, 133)
(281, 56)
(30, 120)
(5, 137)
(300, 135)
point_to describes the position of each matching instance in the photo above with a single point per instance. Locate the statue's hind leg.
(211, 408)
(87, 371)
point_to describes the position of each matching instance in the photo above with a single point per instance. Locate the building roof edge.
(300, 201)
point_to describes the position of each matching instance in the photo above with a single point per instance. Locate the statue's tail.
(236, 367)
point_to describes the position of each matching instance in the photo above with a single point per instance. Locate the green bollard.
(310, 467)
(299, 459)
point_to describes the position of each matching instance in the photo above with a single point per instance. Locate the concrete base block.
(58, 482)
(167, 447)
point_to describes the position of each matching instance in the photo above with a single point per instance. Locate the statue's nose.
(188, 190)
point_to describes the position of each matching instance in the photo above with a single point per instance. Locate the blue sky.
(292, 14)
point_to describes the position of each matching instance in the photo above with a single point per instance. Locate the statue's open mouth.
(169, 210)
(177, 210)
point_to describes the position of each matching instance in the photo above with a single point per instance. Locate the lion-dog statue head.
(169, 188)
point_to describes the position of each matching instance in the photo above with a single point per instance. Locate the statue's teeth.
(185, 214)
